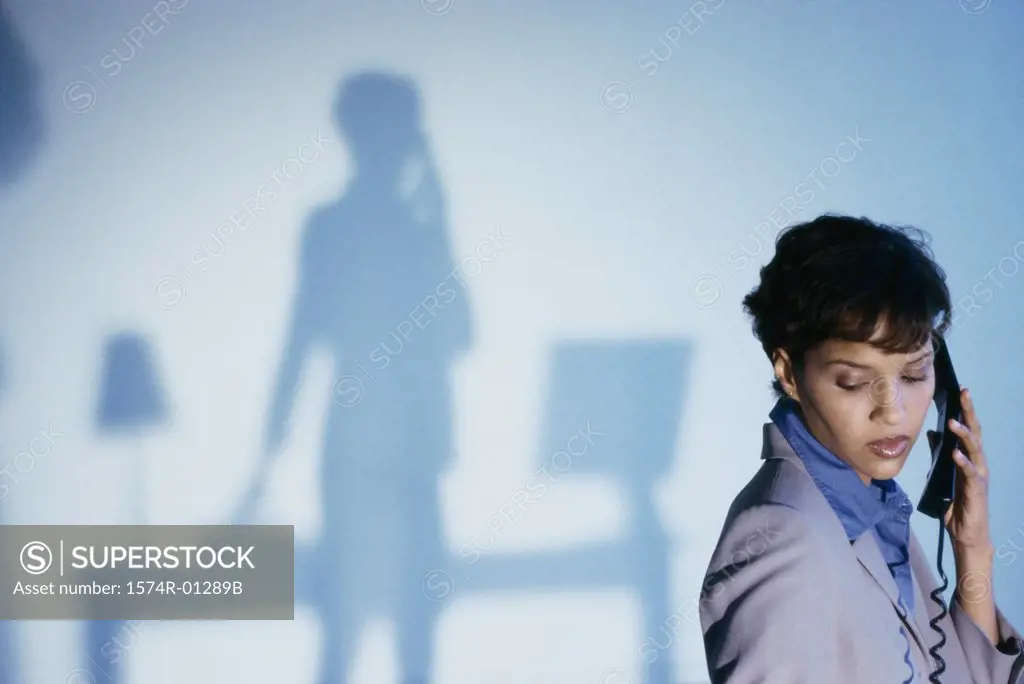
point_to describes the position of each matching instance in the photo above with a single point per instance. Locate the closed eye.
(909, 379)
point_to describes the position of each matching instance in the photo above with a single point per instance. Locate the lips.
(890, 447)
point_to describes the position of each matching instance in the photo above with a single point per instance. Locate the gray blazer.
(788, 599)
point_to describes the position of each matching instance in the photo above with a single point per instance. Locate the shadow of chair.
(613, 413)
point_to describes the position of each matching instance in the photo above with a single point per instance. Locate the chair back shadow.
(613, 412)
(21, 121)
(378, 290)
(131, 403)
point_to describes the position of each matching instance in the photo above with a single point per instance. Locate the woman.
(817, 577)
(21, 127)
(379, 291)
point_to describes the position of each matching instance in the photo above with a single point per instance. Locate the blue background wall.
(609, 178)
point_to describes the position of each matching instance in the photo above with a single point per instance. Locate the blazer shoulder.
(770, 602)
(769, 557)
(770, 527)
(782, 506)
(782, 482)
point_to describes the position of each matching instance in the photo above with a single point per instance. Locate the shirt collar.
(859, 507)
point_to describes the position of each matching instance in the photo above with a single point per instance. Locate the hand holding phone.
(940, 488)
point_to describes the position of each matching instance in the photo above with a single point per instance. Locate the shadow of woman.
(380, 291)
(21, 127)
(20, 138)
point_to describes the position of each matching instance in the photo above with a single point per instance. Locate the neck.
(799, 410)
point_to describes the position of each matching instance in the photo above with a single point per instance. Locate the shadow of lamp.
(131, 405)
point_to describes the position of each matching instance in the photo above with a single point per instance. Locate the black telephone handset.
(941, 485)
(939, 489)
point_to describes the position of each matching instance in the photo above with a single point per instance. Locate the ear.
(786, 373)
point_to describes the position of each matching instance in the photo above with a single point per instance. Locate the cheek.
(853, 434)
(846, 408)
(918, 400)
(849, 418)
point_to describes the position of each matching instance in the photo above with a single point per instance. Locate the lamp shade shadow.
(131, 398)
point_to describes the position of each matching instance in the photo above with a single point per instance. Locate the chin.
(885, 470)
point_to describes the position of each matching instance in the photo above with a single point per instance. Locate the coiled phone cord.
(936, 595)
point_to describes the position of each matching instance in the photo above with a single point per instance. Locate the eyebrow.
(861, 366)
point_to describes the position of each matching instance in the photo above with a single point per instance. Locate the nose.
(886, 393)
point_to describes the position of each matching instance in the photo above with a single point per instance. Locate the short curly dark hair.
(839, 277)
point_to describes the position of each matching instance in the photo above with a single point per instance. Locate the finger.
(967, 438)
(972, 421)
(970, 417)
(966, 467)
(971, 446)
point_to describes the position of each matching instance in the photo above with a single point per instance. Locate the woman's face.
(865, 405)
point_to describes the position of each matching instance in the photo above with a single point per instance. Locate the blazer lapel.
(864, 547)
(871, 559)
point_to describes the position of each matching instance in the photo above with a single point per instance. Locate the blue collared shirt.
(882, 506)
